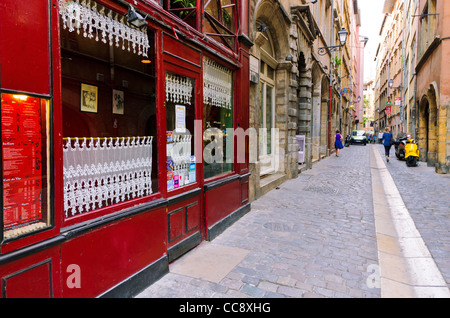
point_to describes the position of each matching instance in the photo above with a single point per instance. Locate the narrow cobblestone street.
(313, 237)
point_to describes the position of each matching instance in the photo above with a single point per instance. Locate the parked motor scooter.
(399, 145)
(347, 141)
(411, 152)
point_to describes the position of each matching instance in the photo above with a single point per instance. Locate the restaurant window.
(217, 119)
(109, 109)
(180, 107)
(25, 164)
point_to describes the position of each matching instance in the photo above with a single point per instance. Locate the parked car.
(359, 137)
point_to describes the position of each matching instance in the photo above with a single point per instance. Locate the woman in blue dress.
(338, 143)
(387, 142)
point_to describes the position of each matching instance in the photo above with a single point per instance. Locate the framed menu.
(24, 159)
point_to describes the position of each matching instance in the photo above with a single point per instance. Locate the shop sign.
(388, 110)
(254, 69)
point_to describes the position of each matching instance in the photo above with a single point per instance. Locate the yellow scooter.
(411, 152)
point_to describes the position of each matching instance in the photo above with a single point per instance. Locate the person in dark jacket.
(387, 142)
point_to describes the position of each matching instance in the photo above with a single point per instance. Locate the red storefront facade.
(104, 131)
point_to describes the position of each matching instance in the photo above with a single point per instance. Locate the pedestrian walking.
(338, 142)
(388, 140)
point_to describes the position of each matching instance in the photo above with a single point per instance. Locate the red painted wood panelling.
(32, 282)
(177, 48)
(25, 46)
(110, 254)
(192, 216)
(33, 276)
(221, 201)
(175, 224)
(183, 219)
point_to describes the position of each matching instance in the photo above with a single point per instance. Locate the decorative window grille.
(217, 84)
(178, 89)
(103, 171)
(96, 21)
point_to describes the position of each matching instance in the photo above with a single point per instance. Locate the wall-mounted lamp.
(423, 15)
(364, 40)
(134, 18)
(289, 57)
(262, 27)
(312, 1)
(343, 33)
(391, 84)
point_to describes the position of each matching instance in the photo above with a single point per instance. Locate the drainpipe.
(331, 78)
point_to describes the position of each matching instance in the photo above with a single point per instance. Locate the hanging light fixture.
(343, 36)
(134, 18)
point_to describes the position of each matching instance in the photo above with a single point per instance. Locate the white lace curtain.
(102, 171)
(96, 21)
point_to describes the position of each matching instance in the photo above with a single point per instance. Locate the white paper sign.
(180, 118)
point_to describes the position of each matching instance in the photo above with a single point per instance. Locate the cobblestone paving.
(313, 237)
(426, 195)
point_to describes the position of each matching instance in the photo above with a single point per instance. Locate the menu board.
(22, 159)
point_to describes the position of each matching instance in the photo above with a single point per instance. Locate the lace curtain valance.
(178, 89)
(217, 84)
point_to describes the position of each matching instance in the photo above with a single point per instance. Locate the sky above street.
(371, 19)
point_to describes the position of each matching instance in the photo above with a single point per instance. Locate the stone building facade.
(290, 84)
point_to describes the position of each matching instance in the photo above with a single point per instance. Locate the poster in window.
(118, 102)
(89, 98)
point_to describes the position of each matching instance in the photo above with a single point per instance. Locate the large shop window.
(25, 164)
(218, 141)
(109, 109)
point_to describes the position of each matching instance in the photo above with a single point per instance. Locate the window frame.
(120, 206)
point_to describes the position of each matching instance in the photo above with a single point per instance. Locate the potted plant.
(336, 62)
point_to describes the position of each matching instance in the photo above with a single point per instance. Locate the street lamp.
(391, 84)
(343, 33)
